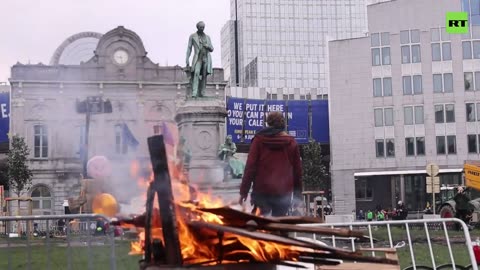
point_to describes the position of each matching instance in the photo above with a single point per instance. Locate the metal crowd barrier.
(401, 235)
(78, 231)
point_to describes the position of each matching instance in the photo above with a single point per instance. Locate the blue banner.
(246, 117)
(254, 116)
(235, 109)
(275, 106)
(4, 116)
(320, 127)
(297, 119)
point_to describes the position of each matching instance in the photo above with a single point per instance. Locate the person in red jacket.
(274, 167)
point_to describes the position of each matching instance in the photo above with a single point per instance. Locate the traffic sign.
(432, 169)
(433, 188)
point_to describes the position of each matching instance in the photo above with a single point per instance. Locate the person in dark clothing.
(462, 207)
(274, 167)
(401, 211)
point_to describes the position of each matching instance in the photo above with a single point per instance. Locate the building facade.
(142, 95)
(401, 98)
(282, 45)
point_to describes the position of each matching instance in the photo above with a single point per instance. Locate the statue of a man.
(202, 60)
(227, 150)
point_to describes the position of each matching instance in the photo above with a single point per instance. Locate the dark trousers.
(277, 205)
(462, 214)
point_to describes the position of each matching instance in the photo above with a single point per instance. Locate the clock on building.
(120, 57)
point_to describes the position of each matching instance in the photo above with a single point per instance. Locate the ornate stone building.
(44, 98)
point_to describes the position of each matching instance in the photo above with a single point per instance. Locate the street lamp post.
(92, 105)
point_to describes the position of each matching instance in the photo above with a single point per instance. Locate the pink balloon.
(99, 167)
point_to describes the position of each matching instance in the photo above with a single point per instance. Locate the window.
(439, 114)
(285, 97)
(41, 199)
(411, 50)
(472, 140)
(378, 117)
(415, 192)
(413, 115)
(468, 81)
(472, 7)
(448, 82)
(467, 49)
(449, 113)
(383, 117)
(387, 86)
(408, 115)
(380, 148)
(385, 148)
(441, 145)
(40, 144)
(380, 43)
(410, 146)
(470, 110)
(471, 49)
(444, 113)
(420, 146)
(382, 89)
(446, 145)
(412, 85)
(363, 190)
(443, 83)
(407, 85)
(390, 146)
(451, 144)
(471, 81)
(120, 145)
(437, 83)
(419, 115)
(441, 51)
(415, 146)
(417, 84)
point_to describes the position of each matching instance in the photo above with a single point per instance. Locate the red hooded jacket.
(273, 166)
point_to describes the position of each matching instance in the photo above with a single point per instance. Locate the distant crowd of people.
(400, 212)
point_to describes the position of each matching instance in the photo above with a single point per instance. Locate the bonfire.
(184, 227)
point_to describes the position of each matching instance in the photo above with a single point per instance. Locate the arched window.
(42, 199)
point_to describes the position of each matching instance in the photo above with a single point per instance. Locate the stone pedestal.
(202, 123)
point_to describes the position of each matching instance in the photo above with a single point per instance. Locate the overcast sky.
(31, 30)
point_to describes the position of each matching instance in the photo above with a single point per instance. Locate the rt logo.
(457, 22)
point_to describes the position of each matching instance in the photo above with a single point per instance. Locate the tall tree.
(316, 174)
(20, 176)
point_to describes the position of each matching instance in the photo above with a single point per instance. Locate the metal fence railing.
(420, 244)
(84, 241)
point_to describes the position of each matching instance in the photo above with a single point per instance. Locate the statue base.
(201, 122)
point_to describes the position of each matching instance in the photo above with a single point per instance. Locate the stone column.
(199, 122)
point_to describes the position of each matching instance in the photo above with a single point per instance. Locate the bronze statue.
(201, 62)
(227, 150)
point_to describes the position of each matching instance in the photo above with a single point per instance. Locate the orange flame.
(195, 250)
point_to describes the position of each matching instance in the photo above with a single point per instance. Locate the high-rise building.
(403, 97)
(281, 45)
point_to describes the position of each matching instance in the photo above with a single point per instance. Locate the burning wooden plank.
(234, 216)
(162, 187)
(320, 251)
(237, 218)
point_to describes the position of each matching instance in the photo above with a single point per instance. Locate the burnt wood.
(162, 187)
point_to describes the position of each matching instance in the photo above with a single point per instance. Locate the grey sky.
(31, 30)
